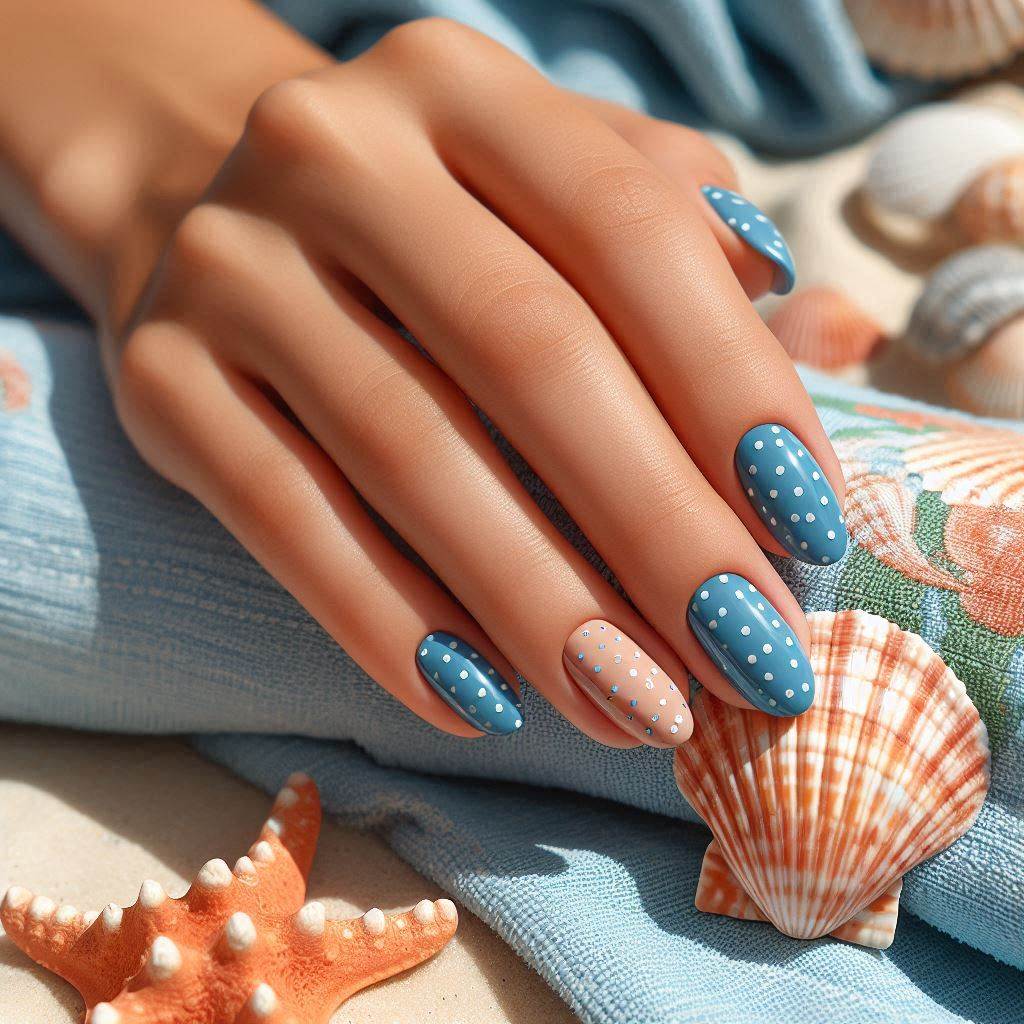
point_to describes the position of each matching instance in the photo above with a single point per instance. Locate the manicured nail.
(791, 494)
(469, 684)
(627, 684)
(752, 644)
(757, 230)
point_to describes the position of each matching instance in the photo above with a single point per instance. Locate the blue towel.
(123, 605)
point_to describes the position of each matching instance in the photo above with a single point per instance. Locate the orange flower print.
(988, 543)
(15, 387)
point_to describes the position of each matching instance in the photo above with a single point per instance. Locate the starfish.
(240, 946)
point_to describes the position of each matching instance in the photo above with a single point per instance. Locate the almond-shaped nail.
(746, 637)
(791, 494)
(627, 684)
(756, 229)
(469, 684)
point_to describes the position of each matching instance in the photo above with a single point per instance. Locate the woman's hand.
(565, 274)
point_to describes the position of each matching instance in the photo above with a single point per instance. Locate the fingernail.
(469, 684)
(757, 230)
(752, 644)
(791, 494)
(627, 684)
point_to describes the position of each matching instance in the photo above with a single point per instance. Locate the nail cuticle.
(469, 684)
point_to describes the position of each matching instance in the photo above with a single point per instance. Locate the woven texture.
(123, 605)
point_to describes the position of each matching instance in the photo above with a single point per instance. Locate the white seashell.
(817, 818)
(938, 38)
(963, 302)
(992, 207)
(824, 328)
(990, 381)
(927, 157)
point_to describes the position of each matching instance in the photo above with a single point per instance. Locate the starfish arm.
(295, 820)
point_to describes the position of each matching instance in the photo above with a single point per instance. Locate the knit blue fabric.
(787, 76)
(124, 605)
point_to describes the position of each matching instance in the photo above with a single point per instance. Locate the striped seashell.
(927, 158)
(939, 38)
(964, 301)
(992, 207)
(980, 466)
(990, 381)
(880, 517)
(816, 819)
(823, 327)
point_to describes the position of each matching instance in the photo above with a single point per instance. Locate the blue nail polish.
(757, 230)
(752, 644)
(791, 494)
(469, 684)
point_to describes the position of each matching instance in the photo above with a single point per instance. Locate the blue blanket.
(123, 605)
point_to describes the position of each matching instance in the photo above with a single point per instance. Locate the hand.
(559, 263)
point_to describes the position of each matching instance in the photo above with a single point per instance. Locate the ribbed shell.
(939, 38)
(963, 302)
(818, 816)
(992, 208)
(825, 328)
(990, 382)
(927, 158)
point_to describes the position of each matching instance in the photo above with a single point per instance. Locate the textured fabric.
(125, 606)
(784, 75)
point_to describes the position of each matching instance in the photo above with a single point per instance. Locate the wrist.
(106, 145)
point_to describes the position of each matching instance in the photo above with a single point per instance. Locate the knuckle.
(428, 37)
(625, 198)
(289, 117)
(208, 239)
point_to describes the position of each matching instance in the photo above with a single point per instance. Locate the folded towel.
(123, 605)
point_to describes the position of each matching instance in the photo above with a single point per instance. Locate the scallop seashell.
(990, 381)
(938, 38)
(825, 328)
(992, 208)
(816, 819)
(926, 158)
(965, 300)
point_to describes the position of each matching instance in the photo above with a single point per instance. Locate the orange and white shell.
(991, 209)
(824, 328)
(990, 380)
(939, 38)
(816, 819)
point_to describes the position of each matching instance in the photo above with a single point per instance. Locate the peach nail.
(627, 684)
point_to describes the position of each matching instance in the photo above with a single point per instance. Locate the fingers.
(640, 253)
(278, 493)
(405, 437)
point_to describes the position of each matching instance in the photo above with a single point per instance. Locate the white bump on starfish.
(287, 797)
(89, 917)
(374, 921)
(298, 780)
(41, 908)
(310, 919)
(66, 913)
(240, 932)
(447, 910)
(112, 915)
(164, 958)
(263, 1001)
(16, 897)
(151, 894)
(424, 912)
(273, 825)
(262, 852)
(244, 866)
(214, 874)
(104, 1013)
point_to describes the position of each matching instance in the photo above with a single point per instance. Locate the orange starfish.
(240, 947)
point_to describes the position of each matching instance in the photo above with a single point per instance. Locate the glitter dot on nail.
(745, 630)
